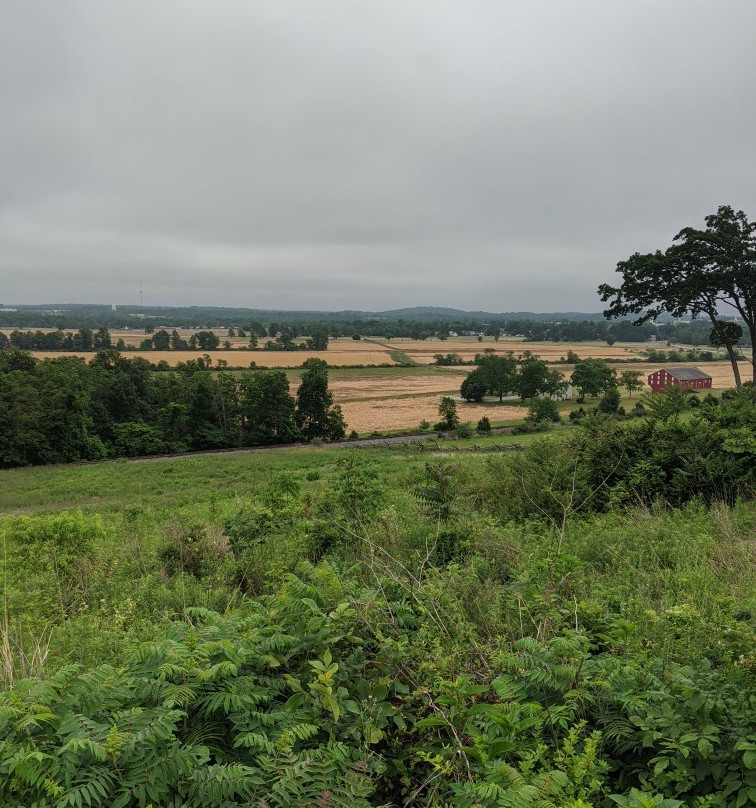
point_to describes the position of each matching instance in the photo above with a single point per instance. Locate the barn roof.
(686, 374)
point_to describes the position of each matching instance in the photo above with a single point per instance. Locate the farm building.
(564, 395)
(687, 378)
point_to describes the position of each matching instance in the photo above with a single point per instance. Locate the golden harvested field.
(423, 352)
(241, 359)
(374, 387)
(373, 403)
(406, 413)
(349, 344)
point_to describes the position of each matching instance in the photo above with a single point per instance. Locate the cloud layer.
(292, 154)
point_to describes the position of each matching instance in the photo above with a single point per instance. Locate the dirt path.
(344, 444)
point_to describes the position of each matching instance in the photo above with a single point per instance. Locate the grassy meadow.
(466, 622)
(140, 507)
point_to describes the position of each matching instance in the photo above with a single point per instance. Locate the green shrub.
(609, 402)
(543, 410)
(192, 549)
(51, 556)
(464, 430)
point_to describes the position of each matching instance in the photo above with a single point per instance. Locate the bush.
(464, 430)
(49, 560)
(609, 402)
(192, 549)
(543, 410)
(447, 409)
(530, 428)
(484, 425)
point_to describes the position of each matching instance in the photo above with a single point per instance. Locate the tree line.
(64, 410)
(162, 340)
(281, 334)
(528, 377)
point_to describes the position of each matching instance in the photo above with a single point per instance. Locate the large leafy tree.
(704, 272)
(474, 387)
(500, 374)
(316, 415)
(268, 408)
(593, 377)
(533, 378)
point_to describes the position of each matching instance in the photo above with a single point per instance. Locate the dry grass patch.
(423, 352)
(407, 413)
(242, 359)
(370, 387)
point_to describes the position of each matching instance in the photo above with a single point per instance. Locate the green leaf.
(704, 747)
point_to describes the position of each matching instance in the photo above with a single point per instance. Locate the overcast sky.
(369, 154)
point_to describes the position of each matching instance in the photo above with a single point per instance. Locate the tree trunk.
(730, 353)
(734, 361)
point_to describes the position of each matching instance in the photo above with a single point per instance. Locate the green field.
(540, 619)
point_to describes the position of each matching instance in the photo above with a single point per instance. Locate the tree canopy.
(593, 377)
(704, 272)
(316, 414)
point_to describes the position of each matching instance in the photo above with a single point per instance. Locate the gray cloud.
(339, 154)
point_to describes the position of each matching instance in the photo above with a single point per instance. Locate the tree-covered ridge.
(65, 410)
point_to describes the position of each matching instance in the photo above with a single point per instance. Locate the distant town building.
(687, 378)
(564, 395)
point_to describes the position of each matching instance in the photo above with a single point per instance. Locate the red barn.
(687, 378)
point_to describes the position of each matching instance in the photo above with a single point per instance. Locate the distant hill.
(233, 315)
(444, 313)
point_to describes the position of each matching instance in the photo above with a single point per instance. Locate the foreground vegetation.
(565, 624)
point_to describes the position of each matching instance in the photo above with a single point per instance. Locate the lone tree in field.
(701, 272)
(592, 377)
(631, 380)
(447, 409)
